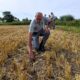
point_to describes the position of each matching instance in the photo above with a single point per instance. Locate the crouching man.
(38, 27)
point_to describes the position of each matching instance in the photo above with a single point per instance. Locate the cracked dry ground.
(60, 61)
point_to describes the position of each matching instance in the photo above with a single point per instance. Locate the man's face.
(39, 17)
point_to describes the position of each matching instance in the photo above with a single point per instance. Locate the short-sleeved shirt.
(46, 20)
(36, 27)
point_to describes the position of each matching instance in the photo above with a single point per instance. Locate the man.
(52, 18)
(38, 27)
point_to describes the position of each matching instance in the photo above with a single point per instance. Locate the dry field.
(60, 61)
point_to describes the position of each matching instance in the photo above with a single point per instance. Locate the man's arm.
(31, 55)
(47, 29)
(30, 36)
(30, 42)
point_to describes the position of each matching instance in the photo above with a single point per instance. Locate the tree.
(8, 17)
(0, 19)
(16, 19)
(67, 18)
(26, 20)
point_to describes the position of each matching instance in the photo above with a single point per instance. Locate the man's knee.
(35, 42)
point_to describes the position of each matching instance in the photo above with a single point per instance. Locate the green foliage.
(8, 17)
(70, 28)
(6, 13)
(68, 23)
(15, 23)
(67, 18)
(0, 19)
(26, 20)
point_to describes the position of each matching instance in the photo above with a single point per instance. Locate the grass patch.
(69, 28)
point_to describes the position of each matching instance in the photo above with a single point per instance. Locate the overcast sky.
(28, 8)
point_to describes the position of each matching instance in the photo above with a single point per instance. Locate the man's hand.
(47, 29)
(31, 55)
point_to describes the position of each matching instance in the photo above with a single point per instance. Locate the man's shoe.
(42, 49)
(37, 50)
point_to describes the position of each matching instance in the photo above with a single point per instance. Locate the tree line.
(8, 18)
(68, 20)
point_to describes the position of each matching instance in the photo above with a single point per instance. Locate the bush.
(67, 18)
(68, 23)
(15, 23)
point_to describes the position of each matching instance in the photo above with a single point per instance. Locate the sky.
(28, 8)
